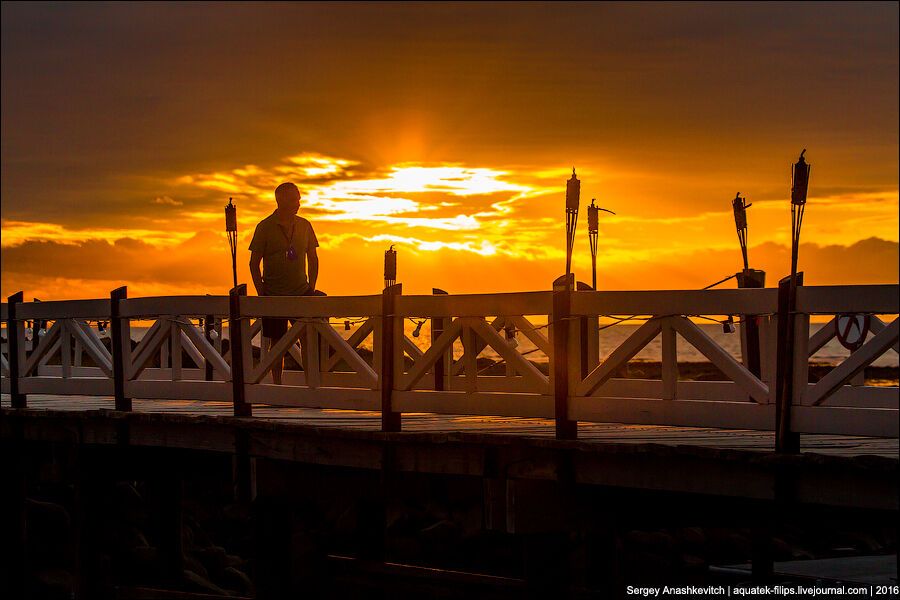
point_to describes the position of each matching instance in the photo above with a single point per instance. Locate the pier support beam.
(236, 326)
(390, 420)
(15, 338)
(751, 278)
(566, 429)
(121, 346)
(786, 441)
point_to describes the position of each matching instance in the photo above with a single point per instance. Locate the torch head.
(800, 180)
(593, 217)
(573, 193)
(390, 264)
(230, 216)
(740, 212)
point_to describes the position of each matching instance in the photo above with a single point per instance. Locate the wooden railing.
(356, 353)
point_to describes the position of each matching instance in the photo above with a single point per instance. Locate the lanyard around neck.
(286, 238)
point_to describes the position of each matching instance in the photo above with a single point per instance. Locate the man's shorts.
(275, 328)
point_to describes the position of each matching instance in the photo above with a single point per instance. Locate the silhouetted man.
(284, 243)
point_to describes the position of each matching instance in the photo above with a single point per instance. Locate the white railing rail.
(356, 353)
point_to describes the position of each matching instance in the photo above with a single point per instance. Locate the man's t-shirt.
(282, 275)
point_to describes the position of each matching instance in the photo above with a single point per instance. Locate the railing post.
(15, 333)
(786, 441)
(209, 325)
(236, 326)
(119, 349)
(390, 420)
(437, 328)
(566, 429)
(751, 278)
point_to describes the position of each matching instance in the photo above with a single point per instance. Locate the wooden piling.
(566, 429)
(15, 334)
(786, 441)
(751, 278)
(121, 347)
(390, 420)
(437, 328)
(236, 326)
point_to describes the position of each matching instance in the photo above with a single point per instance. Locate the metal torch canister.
(800, 180)
(593, 218)
(230, 216)
(573, 192)
(390, 264)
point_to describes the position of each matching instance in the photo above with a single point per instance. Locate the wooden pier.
(567, 477)
(180, 360)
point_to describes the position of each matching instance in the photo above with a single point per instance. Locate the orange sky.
(448, 130)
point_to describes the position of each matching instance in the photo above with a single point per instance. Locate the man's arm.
(255, 259)
(313, 259)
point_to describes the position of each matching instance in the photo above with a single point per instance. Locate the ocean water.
(610, 338)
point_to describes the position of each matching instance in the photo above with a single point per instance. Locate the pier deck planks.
(761, 441)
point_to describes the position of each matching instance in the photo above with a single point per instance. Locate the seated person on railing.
(284, 243)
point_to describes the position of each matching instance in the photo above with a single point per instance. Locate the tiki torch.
(573, 195)
(593, 234)
(740, 206)
(799, 187)
(231, 230)
(390, 267)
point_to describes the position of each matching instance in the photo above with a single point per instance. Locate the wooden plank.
(533, 334)
(91, 333)
(335, 398)
(475, 305)
(513, 358)
(621, 355)
(73, 386)
(311, 366)
(154, 374)
(800, 368)
(678, 302)
(189, 343)
(856, 362)
(855, 396)
(311, 306)
(490, 383)
(410, 348)
(63, 309)
(681, 413)
(877, 326)
(669, 361)
(145, 349)
(103, 360)
(65, 348)
(421, 366)
(480, 344)
(824, 335)
(46, 345)
(219, 391)
(207, 351)
(469, 358)
(54, 349)
(874, 422)
(354, 341)
(719, 357)
(477, 403)
(198, 306)
(276, 352)
(348, 353)
(834, 299)
(175, 342)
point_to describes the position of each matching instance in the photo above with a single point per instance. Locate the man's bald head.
(286, 195)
